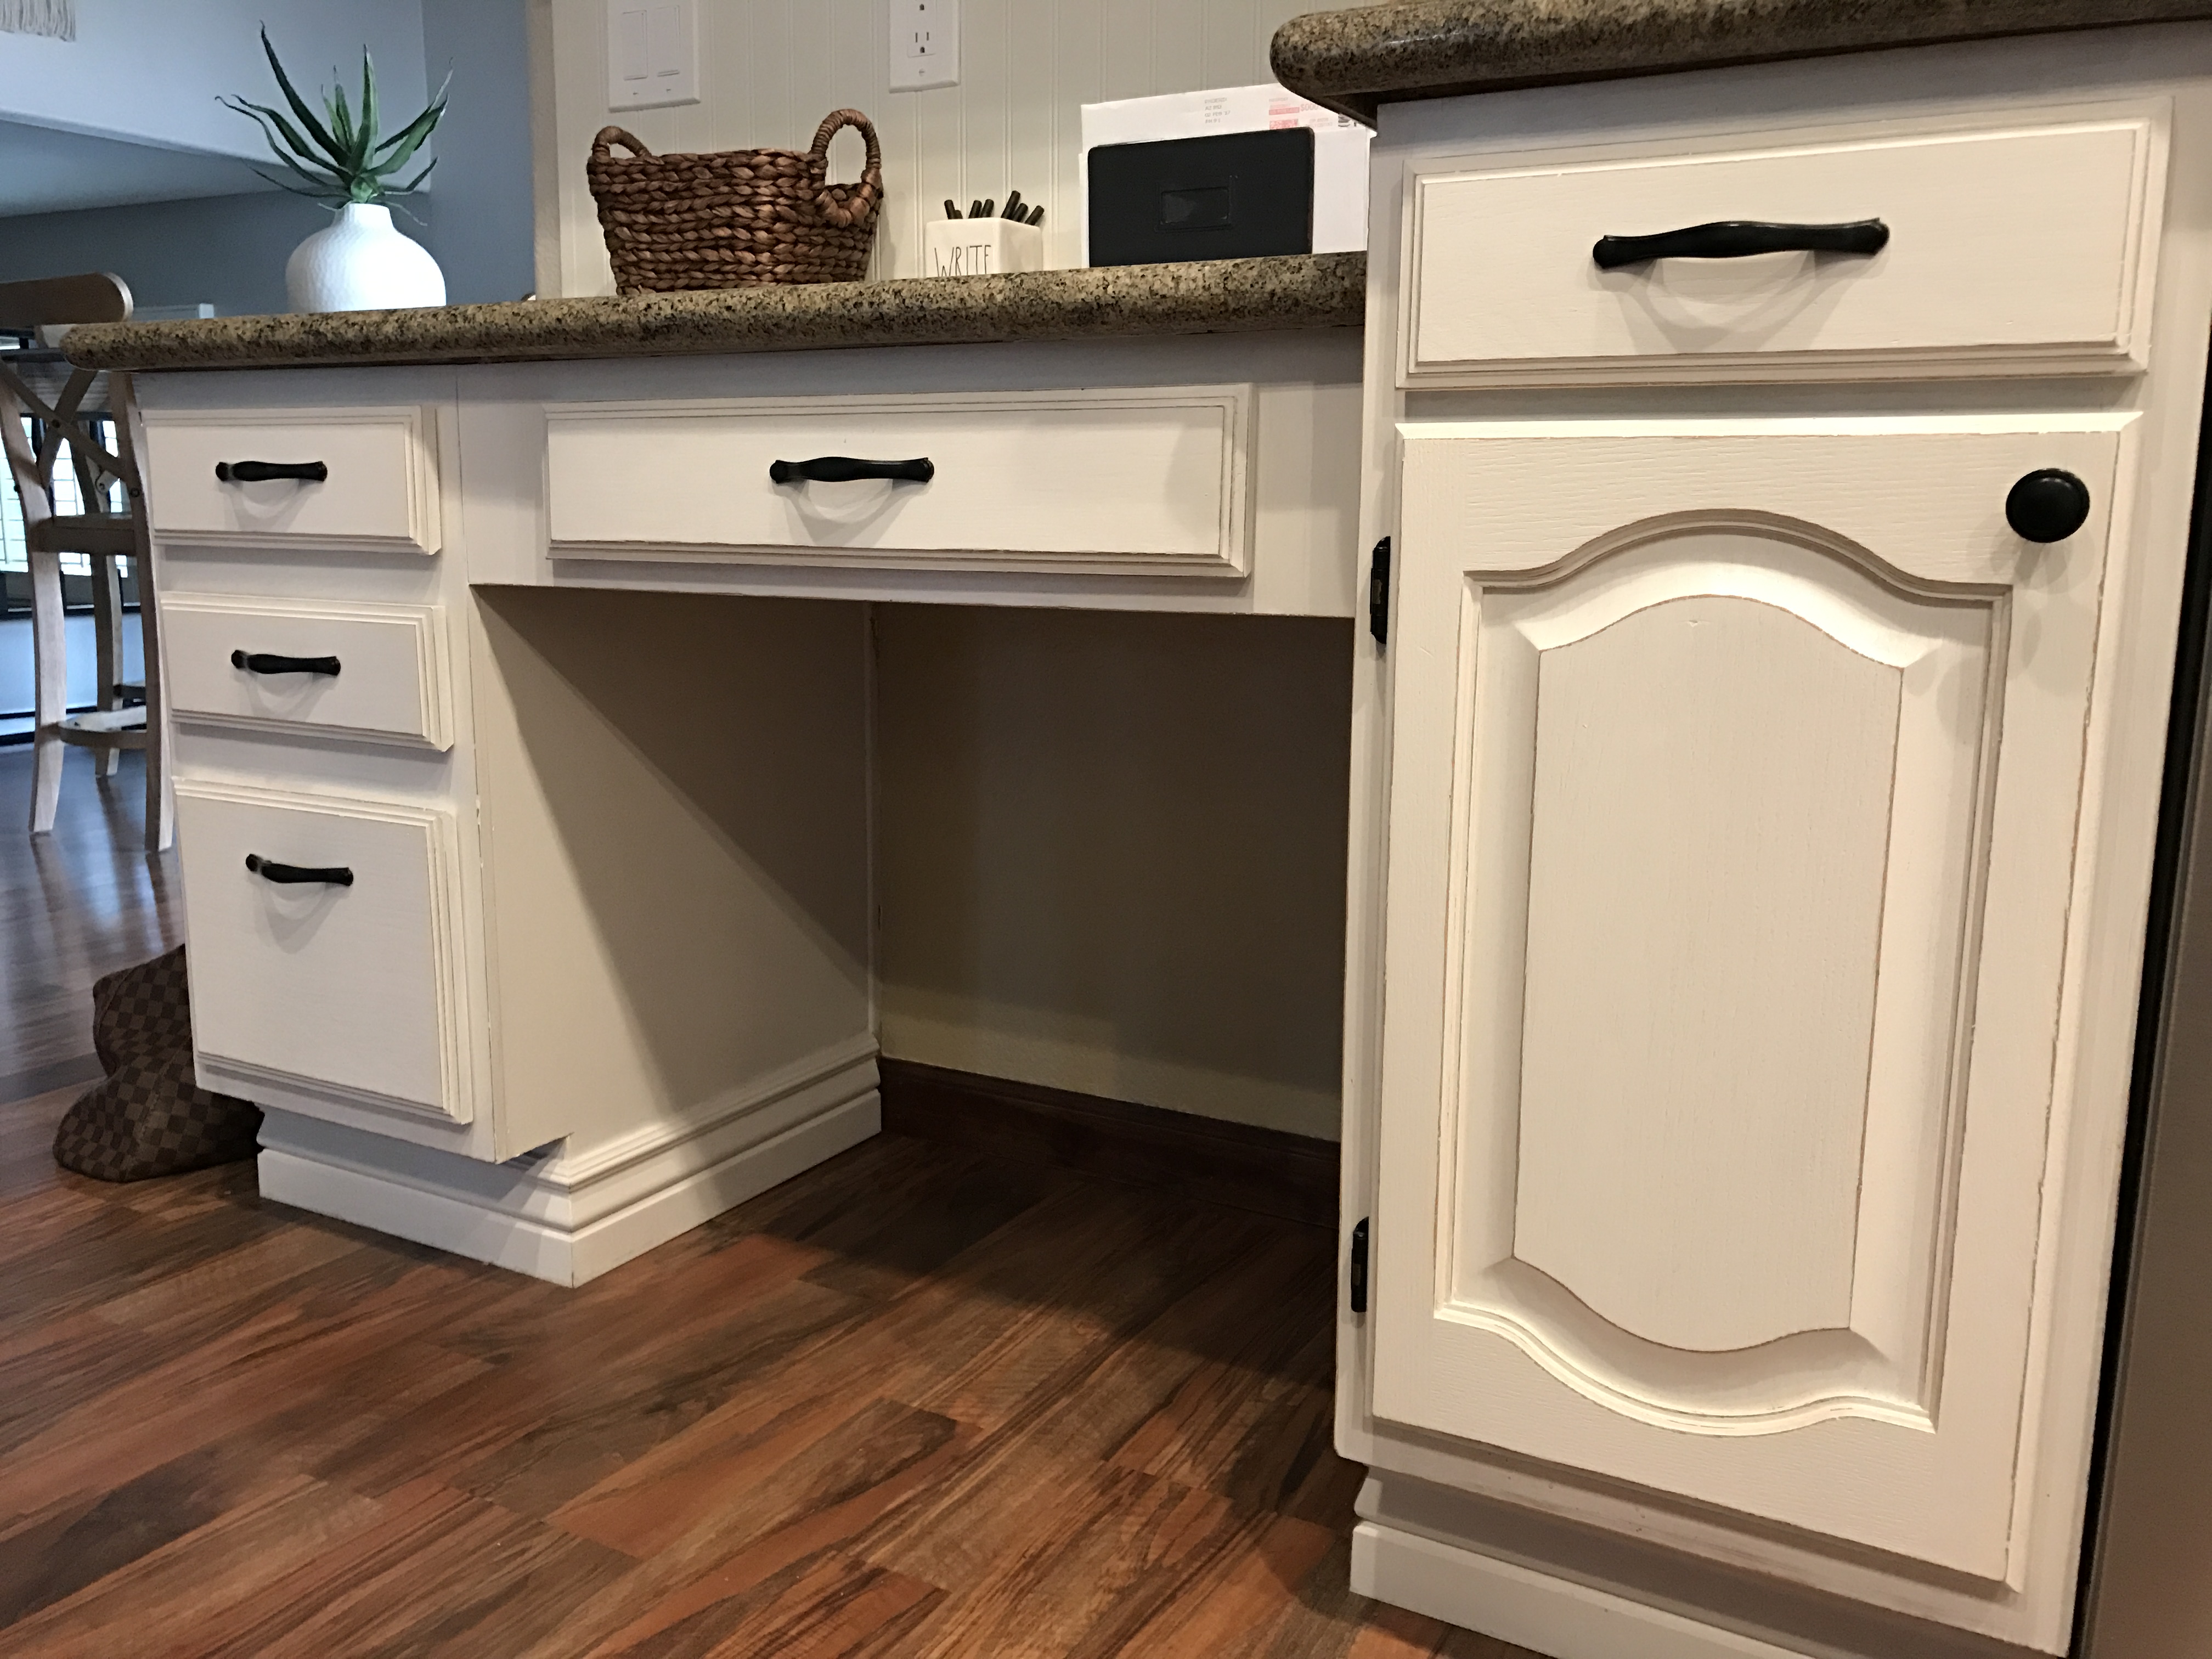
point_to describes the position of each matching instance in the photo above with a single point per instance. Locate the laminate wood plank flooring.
(920, 1403)
(74, 904)
(917, 1402)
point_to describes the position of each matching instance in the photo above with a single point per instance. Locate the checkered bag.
(149, 1117)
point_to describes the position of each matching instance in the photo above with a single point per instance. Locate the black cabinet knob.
(2047, 506)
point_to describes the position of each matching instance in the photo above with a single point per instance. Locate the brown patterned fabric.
(149, 1117)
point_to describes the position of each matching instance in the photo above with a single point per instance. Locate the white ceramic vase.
(362, 263)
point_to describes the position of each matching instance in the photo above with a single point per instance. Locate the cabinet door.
(1736, 768)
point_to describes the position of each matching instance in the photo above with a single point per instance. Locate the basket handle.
(835, 123)
(609, 137)
(854, 202)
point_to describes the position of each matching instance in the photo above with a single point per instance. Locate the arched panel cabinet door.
(1735, 773)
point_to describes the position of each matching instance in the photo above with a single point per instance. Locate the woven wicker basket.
(734, 218)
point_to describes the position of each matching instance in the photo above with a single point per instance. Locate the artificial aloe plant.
(339, 158)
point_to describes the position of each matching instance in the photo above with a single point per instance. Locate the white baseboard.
(569, 1214)
(1546, 1615)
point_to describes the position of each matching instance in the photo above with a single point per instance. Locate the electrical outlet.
(653, 54)
(924, 44)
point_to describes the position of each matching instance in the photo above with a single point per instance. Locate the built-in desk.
(543, 925)
(1777, 483)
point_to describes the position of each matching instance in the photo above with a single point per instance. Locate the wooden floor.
(918, 1402)
(74, 904)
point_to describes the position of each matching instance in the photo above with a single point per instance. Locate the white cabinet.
(298, 480)
(324, 947)
(1734, 772)
(1752, 831)
(364, 670)
(1092, 481)
(1503, 286)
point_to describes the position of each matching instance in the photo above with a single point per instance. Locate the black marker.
(951, 208)
(1036, 215)
(1014, 208)
(975, 208)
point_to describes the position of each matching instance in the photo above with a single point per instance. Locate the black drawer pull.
(1739, 238)
(335, 875)
(263, 471)
(843, 469)
(267, 662)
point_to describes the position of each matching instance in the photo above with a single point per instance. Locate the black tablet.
(1228, 196)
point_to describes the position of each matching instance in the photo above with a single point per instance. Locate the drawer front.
(2025, 251)
(376, 670)
(379, 491)
(1102, 482)
(350, 991)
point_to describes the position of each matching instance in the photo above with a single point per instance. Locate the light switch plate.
(924, 44)
(653, 54)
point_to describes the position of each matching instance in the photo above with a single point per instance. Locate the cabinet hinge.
(1359, 1267)
(1378, 592)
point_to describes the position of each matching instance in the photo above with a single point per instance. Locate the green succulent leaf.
(409, 188)
(367, 108)
(395, 150)
(322, 196)
(341, 120)
(341, 156)
(317, 178)
(324, 182)
(268, 117)
(292, 97)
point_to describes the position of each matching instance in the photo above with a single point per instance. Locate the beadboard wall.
(770, 70)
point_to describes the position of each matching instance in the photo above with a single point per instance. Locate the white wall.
(770, 70)
(151, 69)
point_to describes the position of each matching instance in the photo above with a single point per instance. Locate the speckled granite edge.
(1322, 290)
(1355, 60)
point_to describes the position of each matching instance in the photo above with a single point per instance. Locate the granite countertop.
(1354, 60)
(1320, 290)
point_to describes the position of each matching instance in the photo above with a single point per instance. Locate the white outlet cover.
(925, 45)
(653, 54)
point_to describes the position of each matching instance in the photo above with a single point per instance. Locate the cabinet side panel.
(2149, 1596)
(674, 804)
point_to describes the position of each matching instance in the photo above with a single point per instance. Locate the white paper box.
(980, 247)
(1339, 205)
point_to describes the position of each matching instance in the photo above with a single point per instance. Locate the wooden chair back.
(53, 394)
(97, 296)
(46, 402)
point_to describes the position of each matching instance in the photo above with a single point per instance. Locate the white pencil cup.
(981, 248)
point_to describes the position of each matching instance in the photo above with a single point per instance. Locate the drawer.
(2025, 251)
(1151, 482)
(378, 491)
(346, 991)
(378, 671)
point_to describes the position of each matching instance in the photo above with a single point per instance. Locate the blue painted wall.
(229, 251)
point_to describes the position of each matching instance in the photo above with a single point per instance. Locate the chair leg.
(50, 670)
(46, 751)
(161, 789)
(107, 640)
